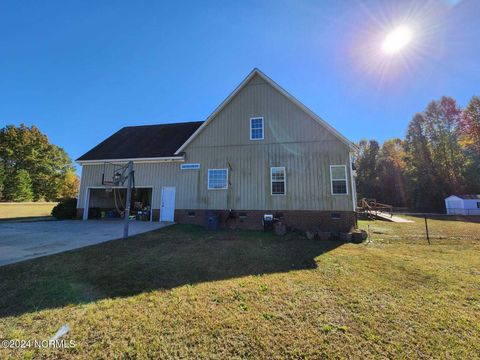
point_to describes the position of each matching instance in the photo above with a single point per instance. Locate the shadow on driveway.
(27, 240)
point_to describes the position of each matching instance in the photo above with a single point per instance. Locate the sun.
(397, 40)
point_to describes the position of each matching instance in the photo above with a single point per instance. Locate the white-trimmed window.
(256, 128)
(189, 166)
(217, 179)
(278, 180)
(338, 176)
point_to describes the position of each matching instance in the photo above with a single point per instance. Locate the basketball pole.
(128, 200)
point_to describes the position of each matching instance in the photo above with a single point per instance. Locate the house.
(463, 205)
(260, 152)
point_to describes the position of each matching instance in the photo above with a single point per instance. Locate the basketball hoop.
(118, 178)
(108, 186)
(114, 176)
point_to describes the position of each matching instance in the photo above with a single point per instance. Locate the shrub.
(65, 209)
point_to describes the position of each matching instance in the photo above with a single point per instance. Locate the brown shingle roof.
(147, 141)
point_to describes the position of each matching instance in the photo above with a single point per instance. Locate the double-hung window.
(217, 179)
(338, 176)
(256, 128)
(278, 179)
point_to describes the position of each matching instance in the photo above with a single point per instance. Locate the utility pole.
(129, 199)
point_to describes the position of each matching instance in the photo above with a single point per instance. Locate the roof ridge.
(167, 124)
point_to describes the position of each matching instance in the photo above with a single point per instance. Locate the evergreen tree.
(19, 187)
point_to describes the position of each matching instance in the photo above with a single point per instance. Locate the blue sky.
(80, 70)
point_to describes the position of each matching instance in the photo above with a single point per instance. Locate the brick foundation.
(341, 221)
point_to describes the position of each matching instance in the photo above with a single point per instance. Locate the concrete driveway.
(26, 240)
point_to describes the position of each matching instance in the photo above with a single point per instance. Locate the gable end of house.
(256, 72)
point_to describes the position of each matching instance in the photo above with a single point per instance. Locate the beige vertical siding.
(292, 139)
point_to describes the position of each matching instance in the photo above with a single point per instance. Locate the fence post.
(426, 228)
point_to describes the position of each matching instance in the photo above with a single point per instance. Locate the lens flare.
(397, 40)
(392, 45)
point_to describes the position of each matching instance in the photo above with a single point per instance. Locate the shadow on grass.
(161, 259)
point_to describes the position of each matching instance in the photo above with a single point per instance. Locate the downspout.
(352, 182)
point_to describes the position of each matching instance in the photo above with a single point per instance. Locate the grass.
(442, 229)
(182, 292)
(25, 210)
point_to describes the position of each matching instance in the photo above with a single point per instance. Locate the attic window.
(256, 128)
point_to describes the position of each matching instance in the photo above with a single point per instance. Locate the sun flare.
(397, 40)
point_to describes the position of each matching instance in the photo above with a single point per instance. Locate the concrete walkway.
(27, 240)
(393, 218)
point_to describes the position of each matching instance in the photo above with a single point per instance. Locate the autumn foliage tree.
(435, 162)
(69, 186)
(470, 125)
(26, 151)
(469, 134)
(440, 156)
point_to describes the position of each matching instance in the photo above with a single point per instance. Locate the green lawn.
(25, 210)
(182, 292)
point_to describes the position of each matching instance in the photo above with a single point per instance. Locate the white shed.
(463, 205)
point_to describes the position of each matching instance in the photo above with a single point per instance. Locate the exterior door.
(167, 210)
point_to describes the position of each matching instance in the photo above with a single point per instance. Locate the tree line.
(33, 169)
(439, 156)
